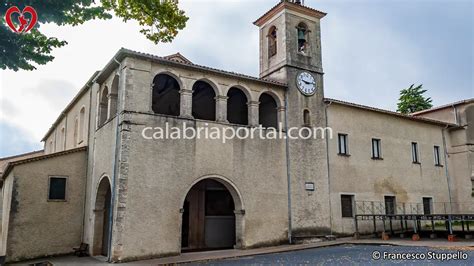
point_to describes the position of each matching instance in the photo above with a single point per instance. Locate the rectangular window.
(427, 205)
(347, 205)
(376, 149)
(390, 205)
(57, 188)
(342, 140)
(414, 152)
(472, 185)
(437, 160)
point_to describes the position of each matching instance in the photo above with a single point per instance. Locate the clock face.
(306, 83)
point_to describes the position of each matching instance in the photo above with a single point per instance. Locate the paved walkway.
(234, 253)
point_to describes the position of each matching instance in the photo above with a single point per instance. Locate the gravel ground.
(350, 255)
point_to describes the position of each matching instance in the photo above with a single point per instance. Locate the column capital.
(239, 212)
(221, 98)
(185, 91)
(281, 108)
(253, 103)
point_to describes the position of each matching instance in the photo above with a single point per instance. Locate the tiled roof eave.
(281, 5)
(123, 53)
(10, 165)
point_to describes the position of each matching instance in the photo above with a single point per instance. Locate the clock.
(306, 83)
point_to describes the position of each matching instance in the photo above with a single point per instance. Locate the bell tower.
(290, 52)
(289, 37)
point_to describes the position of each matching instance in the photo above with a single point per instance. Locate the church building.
(101, 183)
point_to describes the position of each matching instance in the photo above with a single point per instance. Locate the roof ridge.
(10, 165)
(21, 154)
(434, 108)
(125, 50)
(375, 109)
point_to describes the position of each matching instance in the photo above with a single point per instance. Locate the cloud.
(371, 50)
(7, 108)
(53, 92)
(14, 140)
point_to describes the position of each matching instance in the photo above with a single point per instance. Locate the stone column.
(221, 108)
(253, 113)
(239, 229)
(281, 117)
(186, 103)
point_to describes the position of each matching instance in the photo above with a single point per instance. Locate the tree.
(412, 100)
(160, 20)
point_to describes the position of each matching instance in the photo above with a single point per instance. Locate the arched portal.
(212, 216)
(102, 218)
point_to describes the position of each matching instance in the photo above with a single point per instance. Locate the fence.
(411, 216)
(391, 208)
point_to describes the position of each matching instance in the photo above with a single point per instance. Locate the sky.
(371, 50)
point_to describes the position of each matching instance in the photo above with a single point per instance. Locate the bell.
(301, 35)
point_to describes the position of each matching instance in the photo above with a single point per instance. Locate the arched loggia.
(204, 103)
(267, 111)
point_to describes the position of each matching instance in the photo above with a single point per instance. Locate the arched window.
(76, 130)
(306, 118)
(82, 124)
(272, 41)
(237, 111)
(103, 103)
(62, 138)
(302, 38)
(113, 97)
(166, 98)
(267, 111)
(204, 103)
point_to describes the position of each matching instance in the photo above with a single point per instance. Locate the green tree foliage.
(412, 100)
(160, 20)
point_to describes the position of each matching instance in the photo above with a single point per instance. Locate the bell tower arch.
(298, 39)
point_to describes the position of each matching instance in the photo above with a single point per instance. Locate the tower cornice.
(290, 6)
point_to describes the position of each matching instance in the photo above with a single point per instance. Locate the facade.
(102, 182)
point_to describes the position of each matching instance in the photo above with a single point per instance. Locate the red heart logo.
(25, 25)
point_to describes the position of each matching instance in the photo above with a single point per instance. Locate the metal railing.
(383, 208)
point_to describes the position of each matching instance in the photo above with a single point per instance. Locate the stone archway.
(212, 216)
(102, 218)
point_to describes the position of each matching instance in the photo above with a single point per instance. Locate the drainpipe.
(448, 178)
(327, 160)
(288, 172)
(114, 167)
(87, 163)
